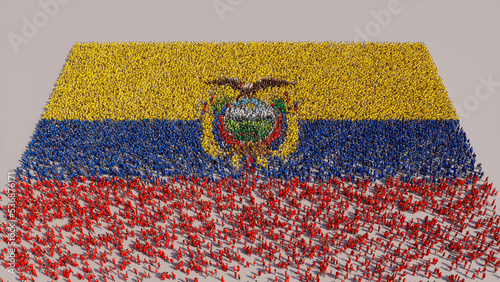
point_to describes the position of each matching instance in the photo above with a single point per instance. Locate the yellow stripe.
(354, 81)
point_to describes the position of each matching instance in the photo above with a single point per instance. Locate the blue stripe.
(374, 149)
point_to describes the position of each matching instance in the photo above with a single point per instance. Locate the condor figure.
(248, 89)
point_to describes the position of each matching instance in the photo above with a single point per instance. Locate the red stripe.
(295, 219)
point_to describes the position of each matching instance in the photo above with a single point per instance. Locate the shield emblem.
(249, 128)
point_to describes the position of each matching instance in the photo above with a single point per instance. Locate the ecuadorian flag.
(374, 110)
(207, 156)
